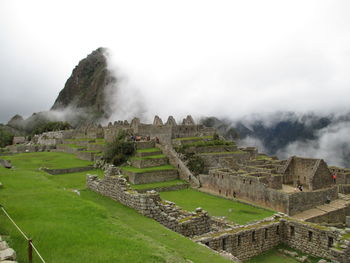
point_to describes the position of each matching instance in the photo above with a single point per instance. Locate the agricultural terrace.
(234, 211)
(69, 227)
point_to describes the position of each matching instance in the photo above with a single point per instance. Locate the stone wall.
(245, 242)
(252, 188)
(301, 201)
(152, 176)
(314, 240)
(263, 189)
(336, 216)
(311, 173)
(68, 170)
(165, 188)
(184, 173)
(344, 188)
(96, 147)
(86, 155)
(149, 204)
(151, 162)
(217, 160)
(21, 148)
(251, 240)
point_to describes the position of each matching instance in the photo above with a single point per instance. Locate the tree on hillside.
(6, 138)
(51, 126)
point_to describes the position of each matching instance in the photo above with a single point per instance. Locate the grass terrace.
(274, 256)
(234, 211)
(51, 160)
(86, 151)
(208, 143)
(80, 140)
(148, 169)
(149, 157)
(72, 145)
(194, 138)
(148, 150)
(218, 153)
(67, 227)
(156, 185)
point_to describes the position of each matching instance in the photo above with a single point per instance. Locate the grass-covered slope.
(237, 212)
(88, 228)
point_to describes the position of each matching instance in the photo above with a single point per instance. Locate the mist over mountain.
(97, 92)
(287, 133)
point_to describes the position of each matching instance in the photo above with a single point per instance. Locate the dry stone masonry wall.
(150, 204)
(250, 240)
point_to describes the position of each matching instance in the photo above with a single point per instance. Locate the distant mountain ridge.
(288, 133)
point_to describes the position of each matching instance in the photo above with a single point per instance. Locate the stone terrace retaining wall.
(251, 240)
(150, 205)
(301, 201)
(165, 188)
(245, 242)
(152, 177)
(314, 240)
(68, 170)
(151, 162)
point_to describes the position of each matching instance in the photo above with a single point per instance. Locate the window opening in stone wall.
(219, 191)
(278, 230)
(310, 235)
(253, 236)
(224, 244)
(244, 181)
(266, 233)
(238, 240)
(330, 241)
(250, 182)
(292, 231)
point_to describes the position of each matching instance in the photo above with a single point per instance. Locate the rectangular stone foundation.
(151, 177)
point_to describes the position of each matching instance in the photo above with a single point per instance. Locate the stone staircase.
(334, 212)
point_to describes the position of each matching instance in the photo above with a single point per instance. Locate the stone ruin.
(234, 173)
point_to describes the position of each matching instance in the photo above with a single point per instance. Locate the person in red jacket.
(334, 177)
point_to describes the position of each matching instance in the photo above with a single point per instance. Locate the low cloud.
(332, 144)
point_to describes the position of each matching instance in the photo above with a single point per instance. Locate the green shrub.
(51, 126)
(6, 138)
(195, 164)
(216, 137)
(118, 151)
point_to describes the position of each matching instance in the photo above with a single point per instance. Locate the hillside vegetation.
(67, 227)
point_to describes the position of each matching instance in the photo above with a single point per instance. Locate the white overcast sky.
(224, 58)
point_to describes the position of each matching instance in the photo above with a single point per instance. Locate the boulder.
(5, 163)
(3, 245)
(8, 254)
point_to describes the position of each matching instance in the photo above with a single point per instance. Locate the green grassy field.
(160, 184)
(148, 169)
(194, 138)
(148, 150)
(67, 227)
(159, 156)
(237, 212)
(272, 256)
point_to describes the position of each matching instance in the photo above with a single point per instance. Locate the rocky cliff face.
(85, 87)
